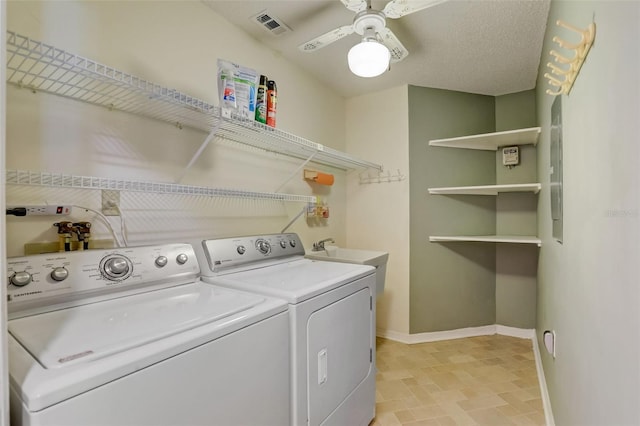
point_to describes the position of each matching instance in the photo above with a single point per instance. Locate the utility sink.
(362, 257)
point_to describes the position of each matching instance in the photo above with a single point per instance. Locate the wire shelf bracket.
(195, 157)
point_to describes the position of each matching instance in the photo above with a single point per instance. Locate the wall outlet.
(549, 340)
(110, 199)
(46, 210)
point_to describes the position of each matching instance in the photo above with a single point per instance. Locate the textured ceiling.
(475, 46)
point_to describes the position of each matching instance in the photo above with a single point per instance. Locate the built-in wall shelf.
(488, 239)
(486, 189)
(39, 67)
(61, 180)
(491, 141)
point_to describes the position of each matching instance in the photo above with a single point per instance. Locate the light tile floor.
(487, 380)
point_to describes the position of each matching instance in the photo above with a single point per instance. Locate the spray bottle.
(272, 100)
(261, 100)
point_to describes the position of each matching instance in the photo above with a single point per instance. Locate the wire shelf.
(41, 67)
(61, 180)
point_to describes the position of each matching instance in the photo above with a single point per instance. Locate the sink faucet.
(319, 246)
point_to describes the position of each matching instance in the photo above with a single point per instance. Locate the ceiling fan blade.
(355, 5)
(397, 8)
(397, 50)
(326, 39)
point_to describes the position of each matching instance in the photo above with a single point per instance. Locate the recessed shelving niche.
(489, 142)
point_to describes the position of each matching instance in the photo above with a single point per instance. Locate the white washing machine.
(133, 337)
(332, 320)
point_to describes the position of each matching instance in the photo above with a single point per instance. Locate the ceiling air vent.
(270, 23)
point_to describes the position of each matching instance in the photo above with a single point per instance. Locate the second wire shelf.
(61, 180)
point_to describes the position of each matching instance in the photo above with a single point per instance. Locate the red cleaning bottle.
(272, 100)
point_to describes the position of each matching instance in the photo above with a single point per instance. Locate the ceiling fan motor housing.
(369, 21)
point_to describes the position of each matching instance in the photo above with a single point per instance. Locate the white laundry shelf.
(517, 239)
(491, 141)
(486, 189)
(61, 180)
(44, 68)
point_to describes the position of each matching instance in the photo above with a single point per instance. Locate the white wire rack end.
(381, 177)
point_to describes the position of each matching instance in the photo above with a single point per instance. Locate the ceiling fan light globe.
(368, 59)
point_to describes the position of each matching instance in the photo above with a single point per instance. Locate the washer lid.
(294, 281)
(88, 332)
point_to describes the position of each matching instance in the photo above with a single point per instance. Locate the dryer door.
(339, 352)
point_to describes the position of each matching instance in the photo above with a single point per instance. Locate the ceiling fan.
(379, 44)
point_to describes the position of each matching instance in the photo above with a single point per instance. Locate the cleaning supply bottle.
(272, 100)
(261, 100)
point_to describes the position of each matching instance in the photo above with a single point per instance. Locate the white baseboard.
(544, 391)
(522, 333)
(435, 336)
(396, 336)
(459, 333)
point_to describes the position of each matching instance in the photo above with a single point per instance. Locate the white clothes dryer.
(332, 321)
(133, 337)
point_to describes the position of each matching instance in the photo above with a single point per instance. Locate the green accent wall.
(461, 284)
(516, 214)
(452, 285)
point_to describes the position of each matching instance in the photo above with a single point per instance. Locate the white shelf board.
(516, 239)
(61, 180)
(40, 67)
(487, 189)
(491, 141)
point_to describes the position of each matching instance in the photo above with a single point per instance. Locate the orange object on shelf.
(318, 177)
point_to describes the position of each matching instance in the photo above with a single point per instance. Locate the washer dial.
(263, 246)
(116, 267)
(20, 279)
(59, 274)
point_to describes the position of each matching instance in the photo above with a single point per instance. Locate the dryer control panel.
(236, 253)
(54, 278)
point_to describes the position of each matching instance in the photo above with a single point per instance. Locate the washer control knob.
(182, 258)
(241, 249)
(116, 267)
(263, 246)
(161, 261)
(283, 244)
(20, 279)
(292, 243)
(59, 274)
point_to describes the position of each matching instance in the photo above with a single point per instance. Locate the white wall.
(378, 213)
(588, 285)
(175, 44)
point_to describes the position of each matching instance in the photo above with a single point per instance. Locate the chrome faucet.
(319, 246)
